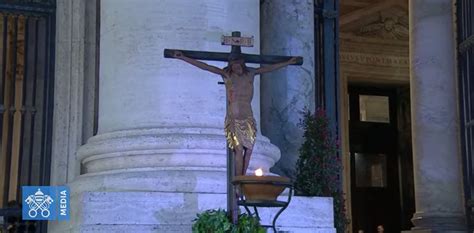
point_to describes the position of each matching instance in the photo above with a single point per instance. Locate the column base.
(417, 231)
(163, 159)
(426, 223)
(433, 231)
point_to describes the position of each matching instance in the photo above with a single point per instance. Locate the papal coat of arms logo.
(39, 202)
(45, 203)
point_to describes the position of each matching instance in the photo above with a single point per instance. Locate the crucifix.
(240, 125)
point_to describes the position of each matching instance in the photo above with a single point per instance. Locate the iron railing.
(326, 28)
(26, 102)
(465, 26)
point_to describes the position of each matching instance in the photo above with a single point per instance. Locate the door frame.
(348, 77)
(391, 153)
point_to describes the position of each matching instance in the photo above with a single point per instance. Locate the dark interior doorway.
(381, 161)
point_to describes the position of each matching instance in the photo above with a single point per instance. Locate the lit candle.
(259, 172)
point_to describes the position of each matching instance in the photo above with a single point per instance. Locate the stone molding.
(445, 222)
(166, 147)
(373, 59)
(75, 68)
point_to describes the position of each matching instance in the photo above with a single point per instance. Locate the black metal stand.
(266, 204)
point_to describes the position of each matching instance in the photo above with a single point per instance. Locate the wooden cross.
(236, 41)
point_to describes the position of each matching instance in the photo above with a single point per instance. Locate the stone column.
(287, 29)
(161, 120)
(164, 115)
(435, 127)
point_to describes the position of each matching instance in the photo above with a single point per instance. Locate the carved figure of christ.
(240, 125)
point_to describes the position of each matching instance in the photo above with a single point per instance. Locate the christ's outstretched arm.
(270, 68)
(179, 55)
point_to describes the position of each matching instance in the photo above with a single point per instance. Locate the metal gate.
(26, 101)
(465, 24)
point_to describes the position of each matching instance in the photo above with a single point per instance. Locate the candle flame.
(259, 172)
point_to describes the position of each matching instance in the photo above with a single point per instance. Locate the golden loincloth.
(240, 132)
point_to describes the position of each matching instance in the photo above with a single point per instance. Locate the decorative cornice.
(350, 37)
(372, 59)
(387, 27)
(388, 24)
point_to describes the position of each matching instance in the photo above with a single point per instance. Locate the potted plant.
(318, 169)
(217, 221)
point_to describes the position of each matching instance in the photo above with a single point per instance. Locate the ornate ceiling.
(386, 19)
(374, 40)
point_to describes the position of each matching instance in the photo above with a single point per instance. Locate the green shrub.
(248, 224)
(216, 221)
(319, 168)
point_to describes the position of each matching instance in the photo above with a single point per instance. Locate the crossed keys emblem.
(39, 201)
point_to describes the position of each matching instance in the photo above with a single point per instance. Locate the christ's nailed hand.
(293, 60)
(177, 54)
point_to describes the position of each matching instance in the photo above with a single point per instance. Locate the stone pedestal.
(160, 120)
(287, 29)
(104, 212)
(437, 171)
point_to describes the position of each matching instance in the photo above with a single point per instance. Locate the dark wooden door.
(375, 186)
